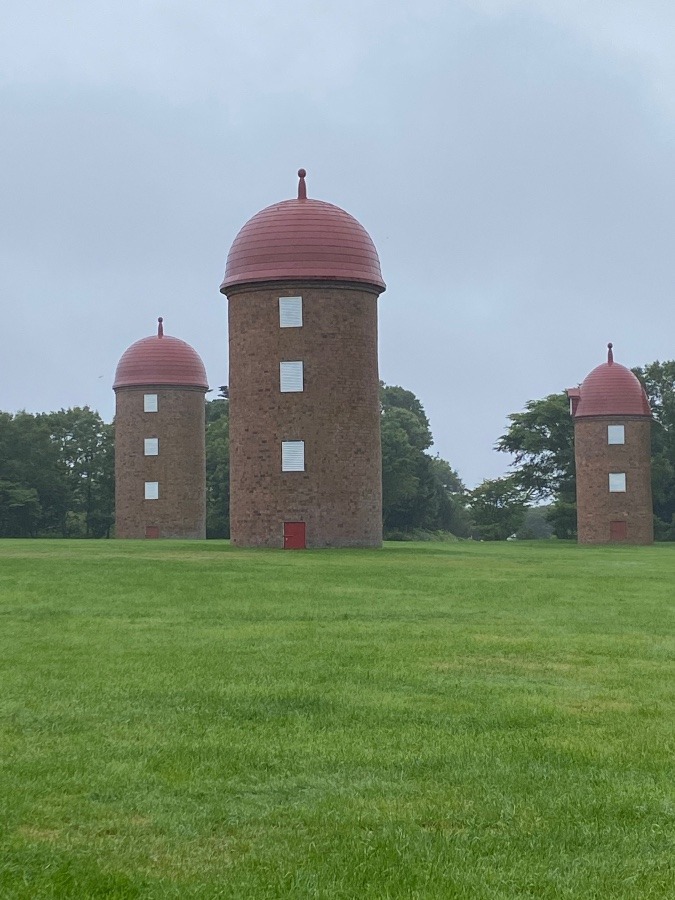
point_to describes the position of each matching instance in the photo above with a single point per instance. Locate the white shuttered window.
(149, 402)
(151, 446)
(290, 312)
(290, 377)
(292, 456)
(617, 482)
(616, 434)
(152, 490)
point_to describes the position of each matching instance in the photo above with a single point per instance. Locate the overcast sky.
(512, 160)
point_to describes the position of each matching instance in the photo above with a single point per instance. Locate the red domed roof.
(160, 359)
(612, 390)
(302, 239)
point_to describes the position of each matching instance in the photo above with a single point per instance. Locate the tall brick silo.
(612, 447)
(302, 281)
(160, 457)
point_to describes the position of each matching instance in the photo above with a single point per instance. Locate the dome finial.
(610, 355)
(160, 327)
(302, 187)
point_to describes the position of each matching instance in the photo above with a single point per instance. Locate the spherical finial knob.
(610, 345)
(160, 326)
(302, 187)
(610, 355)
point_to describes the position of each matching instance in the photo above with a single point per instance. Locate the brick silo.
(302, 281)
(160, 457)
(612, 446)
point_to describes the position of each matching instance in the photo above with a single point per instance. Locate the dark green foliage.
(658, 379)
(542, 441)
(56, 474)
(218, 468)
(562, 514)
(536, 525)
(497, 508)
(87, 450)
(419, 492)
(20, 509)
(34, 498)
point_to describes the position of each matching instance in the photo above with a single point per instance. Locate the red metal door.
(294, 536)
(618, 531)
(152, 531)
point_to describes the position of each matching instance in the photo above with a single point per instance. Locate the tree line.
(57, 473)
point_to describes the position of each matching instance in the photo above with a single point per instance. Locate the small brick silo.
(612, 446)
(302, 281)
(160, 456)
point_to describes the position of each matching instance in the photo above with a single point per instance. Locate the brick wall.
(595, 459)
(180, 467)
(339, 495)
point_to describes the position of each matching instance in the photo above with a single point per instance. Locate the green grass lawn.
(461, 720)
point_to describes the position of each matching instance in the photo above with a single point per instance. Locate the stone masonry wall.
(595, 459)
(180, 467)
(337, 415)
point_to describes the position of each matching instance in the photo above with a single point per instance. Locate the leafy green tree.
(658, 379)
(218, 468)
(542, 441)
(20, 510)
(418, 491)
(400, 472)
(447, 476)
(395, 397)
(536, 525)
(86, 449)
(453, 514)
(498, 508)
(35, 494)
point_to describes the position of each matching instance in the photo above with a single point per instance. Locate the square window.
(152, 490)
(151, 446)
(617, 482)
(616, 434)
(290, 312)
(290, 377)
(292, 456)
(149, 402)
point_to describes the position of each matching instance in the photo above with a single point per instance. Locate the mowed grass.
(427, 721)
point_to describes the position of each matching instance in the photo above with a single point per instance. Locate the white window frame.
(617, 482)
(151, 446)
(290, 312)
(616, 434)
(291, 376)
(150, 403)
(152, 490)
(292, 456)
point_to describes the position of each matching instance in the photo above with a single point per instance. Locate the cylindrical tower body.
(305, 454)
(160, 454)
(612, 445)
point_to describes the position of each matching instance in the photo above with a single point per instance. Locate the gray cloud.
(512, 161)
